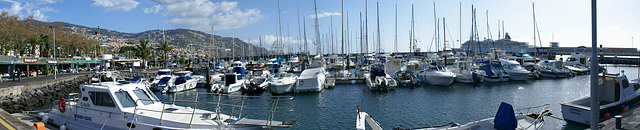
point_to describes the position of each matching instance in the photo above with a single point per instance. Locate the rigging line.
(450, 38)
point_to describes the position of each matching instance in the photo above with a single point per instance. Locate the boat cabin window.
(636, 87)
(506, 66)
(625, 84)
(571, 59)
(143, 96)
(101, 99)
(125, 99)
(181, 80)
(164, 81)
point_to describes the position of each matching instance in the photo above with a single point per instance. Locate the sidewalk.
(7, 82)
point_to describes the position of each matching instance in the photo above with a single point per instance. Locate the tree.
(164, 47)
(144, 49)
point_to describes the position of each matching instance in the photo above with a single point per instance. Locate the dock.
(630, 121)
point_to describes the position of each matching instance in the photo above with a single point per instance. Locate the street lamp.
(55, 65)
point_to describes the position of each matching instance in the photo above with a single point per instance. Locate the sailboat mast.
(299, 32)
(342, 24)
(460, 27)
(534, 27)
(435, 21)
(378, 19)
(395, 46)
(412, 43)
(316, 26)
(304, 28)
(444, 36)
(366, 24)
(279, 28)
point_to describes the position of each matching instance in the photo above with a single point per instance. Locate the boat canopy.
(505, 118)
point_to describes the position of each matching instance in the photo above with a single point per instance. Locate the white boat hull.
(281, 88)
(518, 76)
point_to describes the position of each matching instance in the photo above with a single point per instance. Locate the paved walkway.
(25, 81)
(630, 121)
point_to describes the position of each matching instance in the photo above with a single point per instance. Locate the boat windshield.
(142, 95)
(282, 75)
(164, 81)
(125, 99)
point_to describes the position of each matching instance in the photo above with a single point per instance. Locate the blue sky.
(566, 21)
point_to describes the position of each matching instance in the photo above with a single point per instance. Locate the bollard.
(618, 122)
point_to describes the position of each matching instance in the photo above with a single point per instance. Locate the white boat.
(505, 119)
(282, 83)
(343, 73)
(311, 80)
(111, 103)
(376, 79)
(182, 82)
(436, 75)
(577, 63)
(552, 69)
(515, 71)
(616, 94)
(258, 81)
(231, 82)
(161, 74)
(467, 72)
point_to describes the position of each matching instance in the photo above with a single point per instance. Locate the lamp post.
(55, 65)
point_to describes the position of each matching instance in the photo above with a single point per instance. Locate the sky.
(567, 21)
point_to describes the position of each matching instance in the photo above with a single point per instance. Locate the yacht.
(181, 81)
(109, 102)
(577, 63)
(161, 74)
(258, 81)
(231, 82)
(530, 118)
(311, 80)
(515, 71)
(436, 75)
(467, 72)
(616, 95)
(376, 79)
(552, 69)
(494, 72)
(282, 82)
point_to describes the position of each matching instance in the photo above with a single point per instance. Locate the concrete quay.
(630, 121)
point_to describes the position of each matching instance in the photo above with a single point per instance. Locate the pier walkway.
(630, 121)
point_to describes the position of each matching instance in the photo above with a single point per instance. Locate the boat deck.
(588, 104)
(254, 122)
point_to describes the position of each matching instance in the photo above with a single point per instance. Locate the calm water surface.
(421, 105)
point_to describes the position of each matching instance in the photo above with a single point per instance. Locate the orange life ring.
(61, 105)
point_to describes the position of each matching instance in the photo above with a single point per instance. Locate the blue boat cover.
(505, 118)
(377, 70)
(239, 70)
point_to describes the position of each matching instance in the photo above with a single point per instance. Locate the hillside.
(186, 42)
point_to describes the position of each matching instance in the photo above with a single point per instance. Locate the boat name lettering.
(82, 117)
(575, 111)
(85, 104)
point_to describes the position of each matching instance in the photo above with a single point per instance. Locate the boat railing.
(236, 102)
(533, 112)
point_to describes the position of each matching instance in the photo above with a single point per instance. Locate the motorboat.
(405, 73)
(515, 71)
(506, 118)
(232, 82)
(577, 63)
(311, 80)
(494, 72)
(467, 72)
(161, 74)
(108, 102)
(552, 69)
(616, 95)
(376, 79)
(342, 73)
(282, 82)
(180, 81)
(183, 81)
(406, 78)
(258, 81)
(436, 75)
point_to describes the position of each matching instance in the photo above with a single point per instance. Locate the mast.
(378, 19)
(534, 28)
(299, 32)
(395, 47)
(366, 24)
(317, 28)
(331, 33)
(435, 25)
(411, 33)
(279, 29)
(304, 28)
(444, 36)
(342, 19)
(460, 27)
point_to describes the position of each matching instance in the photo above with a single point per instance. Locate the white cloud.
(324, 14)
(154, 9)
(202, 14)
(115, 5)
(27, 8)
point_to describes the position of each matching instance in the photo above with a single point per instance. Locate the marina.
(127, 76)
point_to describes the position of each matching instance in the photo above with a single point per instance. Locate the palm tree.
(144, 49)
(164, 47)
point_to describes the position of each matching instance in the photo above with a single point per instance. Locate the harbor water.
(417, 106)
(424, 105)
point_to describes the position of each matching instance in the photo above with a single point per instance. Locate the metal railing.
(240, 101)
